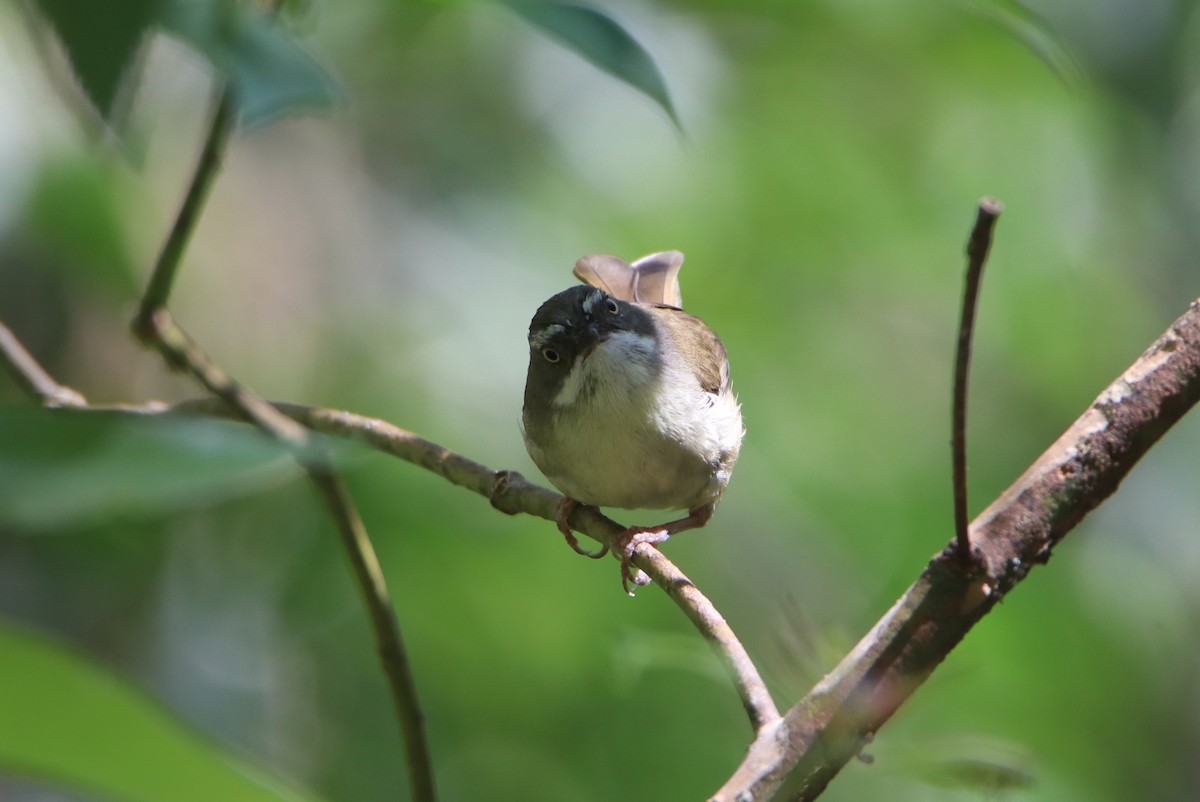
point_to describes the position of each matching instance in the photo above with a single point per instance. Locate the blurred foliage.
(386, 258)
(271, 74)
(100, 43)
(79, 196)
(59, 468)
(599, 39)
(57, 715)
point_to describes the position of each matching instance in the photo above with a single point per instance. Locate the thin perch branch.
(977, 250)
(756, 699)
(32, 378)
(1019, 530)
(510, 492)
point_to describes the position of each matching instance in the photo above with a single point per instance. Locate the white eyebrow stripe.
(540, 338)
(589, 303)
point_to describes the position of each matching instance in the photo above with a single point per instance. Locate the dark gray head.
(568, 327)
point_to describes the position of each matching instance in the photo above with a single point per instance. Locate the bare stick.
(1019, 530)
(977, 251)
(155, 326)
(162, 278)
(510, 492)
(181, 351)
(756, 699)
(374, 591)
(178, 348)
(35, 381)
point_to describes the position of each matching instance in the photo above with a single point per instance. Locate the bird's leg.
(561, 513)
(625, 543)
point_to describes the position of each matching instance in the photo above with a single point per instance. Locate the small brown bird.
(627, 400)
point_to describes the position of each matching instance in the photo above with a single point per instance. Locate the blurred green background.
(176, 617)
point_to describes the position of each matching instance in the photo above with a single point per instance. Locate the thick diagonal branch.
(796, 760)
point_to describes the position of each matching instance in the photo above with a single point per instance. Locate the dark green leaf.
(272, 75)
(64, 720)
(599, 39)
(101, 41)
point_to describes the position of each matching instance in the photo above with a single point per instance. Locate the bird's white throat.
(618, 367)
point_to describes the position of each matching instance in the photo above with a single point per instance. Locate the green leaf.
(272, 75)
(1035, 32)
(101, 41)
(64, 720)
(59, 467)
(73, 214)
(602, 41)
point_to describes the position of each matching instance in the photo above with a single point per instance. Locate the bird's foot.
(625, 543)
(561, 514)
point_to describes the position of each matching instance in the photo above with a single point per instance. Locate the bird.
(628, 401)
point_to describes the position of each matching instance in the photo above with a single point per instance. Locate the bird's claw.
(627, 542)
(623, 544)
(561, 514)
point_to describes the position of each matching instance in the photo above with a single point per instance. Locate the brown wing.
(653, 279)
(702, 349)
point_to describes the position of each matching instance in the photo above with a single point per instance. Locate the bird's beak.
(596, 335)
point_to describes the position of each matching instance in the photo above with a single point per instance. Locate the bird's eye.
(550, 355)
(611, 306)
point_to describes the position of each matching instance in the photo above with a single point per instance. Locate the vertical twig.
(163, 276)
(392, 654)
(977, 251)
(1018, 531)
(155, 326)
